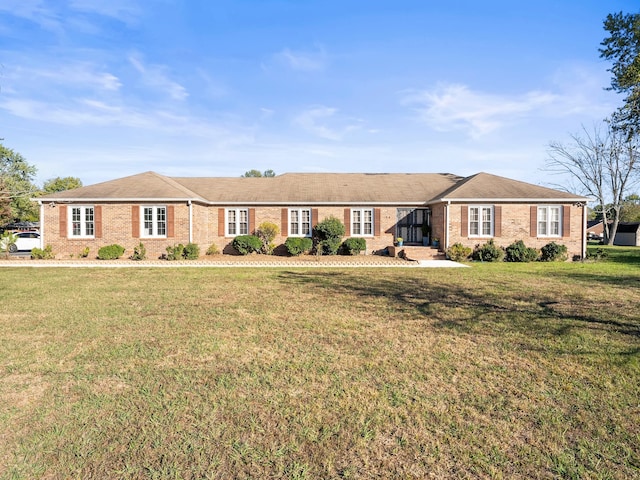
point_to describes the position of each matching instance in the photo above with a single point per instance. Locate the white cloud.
(155, 76)
(316, 121)
(123, 10)
(457, 107)
(304, 61)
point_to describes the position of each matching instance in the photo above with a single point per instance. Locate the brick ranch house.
(160, 211)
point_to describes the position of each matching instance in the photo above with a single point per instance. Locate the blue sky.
(102, 89)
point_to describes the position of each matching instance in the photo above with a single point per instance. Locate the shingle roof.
(486, 186)
(311, 188)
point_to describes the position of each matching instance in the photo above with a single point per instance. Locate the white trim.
(362, 223)
(514, 200)
(82, 221)
(237, 222)
(154, 221)
(300, 210)
(548, 221)
(492, 221)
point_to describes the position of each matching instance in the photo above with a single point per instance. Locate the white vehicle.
(25, 241)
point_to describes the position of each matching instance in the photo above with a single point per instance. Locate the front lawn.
(494, 371)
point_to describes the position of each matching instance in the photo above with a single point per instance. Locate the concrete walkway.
(230, 261)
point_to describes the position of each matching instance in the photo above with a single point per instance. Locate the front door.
(409, 223)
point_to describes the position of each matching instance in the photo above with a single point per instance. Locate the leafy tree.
(622, 47)
(60, 184)
(603, 165)
(258, 173)
(16, 185)
(630, 211)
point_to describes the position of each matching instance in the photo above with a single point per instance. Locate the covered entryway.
(410, 223)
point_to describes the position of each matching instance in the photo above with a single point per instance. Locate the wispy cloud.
(325, 122)
(306, 61)
(126, 11)
(457, 107)
(156, 77)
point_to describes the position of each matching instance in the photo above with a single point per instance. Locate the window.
(362, 222)
(237, 222)
(300, 222)
(481, 221)
(82, 222)
(154, 222)
(549, 221)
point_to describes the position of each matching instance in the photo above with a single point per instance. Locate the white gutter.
(41, 224)
(190, 221)
(446, 233)
(584, 231)
(519, 200)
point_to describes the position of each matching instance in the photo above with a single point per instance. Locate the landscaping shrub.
(327, 236)
(458, 252)
(518, 252)
(191, 251)
(110, 252)
(246, 244)
(174, 252)
(7, 239)
(139, 252)
(298, 245)
(489, 252)
(84, 253)
(40, 254)
(553, 252)
(267, 232)
(213, 250)
(353, 246)
(181, 252)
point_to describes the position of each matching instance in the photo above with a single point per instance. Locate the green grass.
(495, 371)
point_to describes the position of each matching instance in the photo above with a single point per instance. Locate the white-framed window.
(236, 222)
(154, 221)
(82, 221)
(550, 221)
(481, 221)
(362, 222)
(299, 222)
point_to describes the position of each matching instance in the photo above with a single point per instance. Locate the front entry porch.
(416, 253)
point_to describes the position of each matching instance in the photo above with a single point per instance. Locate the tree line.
(17, 187)
(603, 162)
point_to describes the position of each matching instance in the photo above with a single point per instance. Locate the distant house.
(628, 234)
(595, 229)
(161, 211)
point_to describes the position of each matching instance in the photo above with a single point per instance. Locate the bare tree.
(603, 165)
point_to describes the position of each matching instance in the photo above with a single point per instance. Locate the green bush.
(110, 252)
(40, 254)
(518, 252)
(327, 236)
(139, 252)
(84, 253)
(191, 251)
(353, 246)
(213, 250)
(246, 244)
(458, 252)
(267, 232)
(553, 252)
(298, 245)
(181, 252)
(489, 252)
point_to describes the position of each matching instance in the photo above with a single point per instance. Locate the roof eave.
(518, 200)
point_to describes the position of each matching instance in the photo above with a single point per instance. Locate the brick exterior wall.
(117, 227)
(515, 225)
